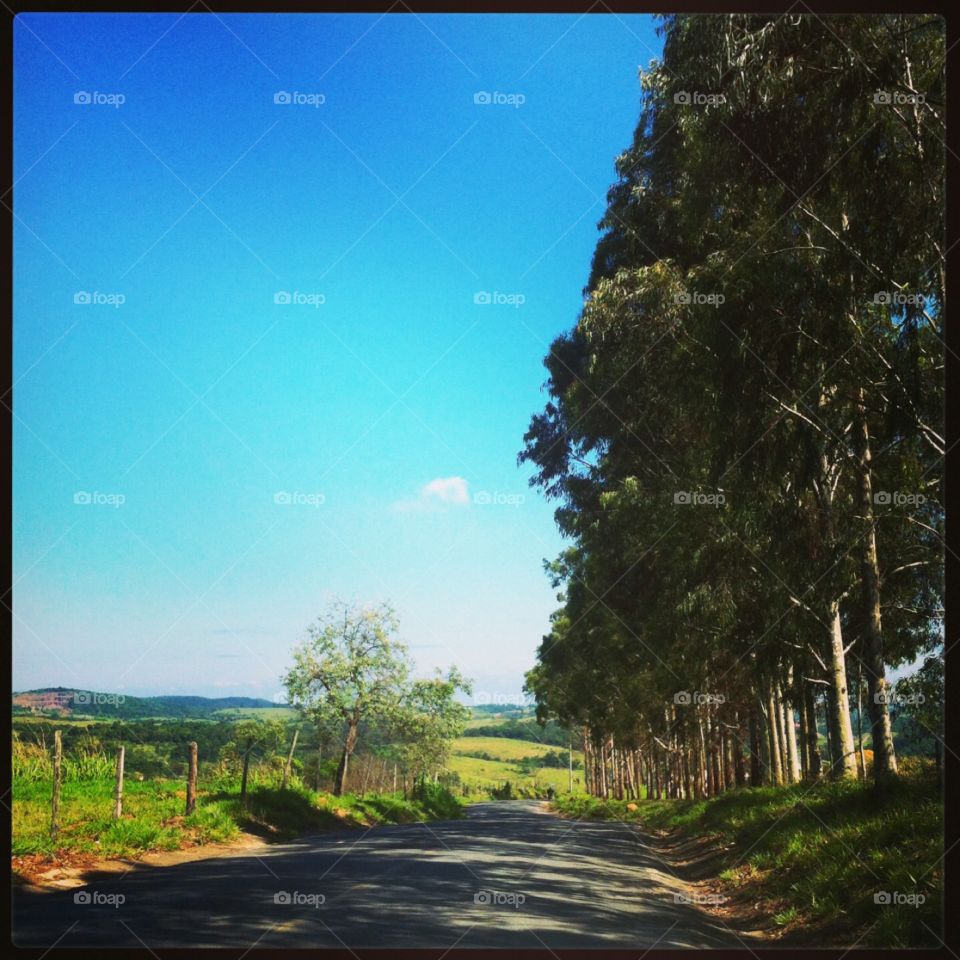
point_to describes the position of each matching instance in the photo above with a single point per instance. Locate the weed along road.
(509, 874)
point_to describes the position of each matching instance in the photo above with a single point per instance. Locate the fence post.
(289, 763)
(192, 779)
(57, 773)
(118, 792)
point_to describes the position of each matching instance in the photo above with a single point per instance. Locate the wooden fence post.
(192, 779)
(57, 774)
(118, 791)
(289, 763)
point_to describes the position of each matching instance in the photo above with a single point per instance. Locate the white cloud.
(438, 493)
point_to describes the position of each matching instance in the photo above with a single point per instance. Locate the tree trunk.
(811, 733)
(756, 751)
(341, 780)
(860, 755)
(790, 728)
(739, 764)
(773, 737)
(845, 762)
(884, 756)
(246, 772)
(289, 763)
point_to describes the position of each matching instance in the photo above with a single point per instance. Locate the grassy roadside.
(813, 858)
(153, 816)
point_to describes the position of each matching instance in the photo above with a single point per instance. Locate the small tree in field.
(253, 738)
(431, 719)
(351, 668)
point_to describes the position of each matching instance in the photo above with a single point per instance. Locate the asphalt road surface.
(508, 875)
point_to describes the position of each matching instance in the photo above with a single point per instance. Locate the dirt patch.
(699, 861)
(67, 869)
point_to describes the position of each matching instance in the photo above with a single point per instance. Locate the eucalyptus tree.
(745, 337)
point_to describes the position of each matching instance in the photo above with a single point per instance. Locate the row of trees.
(744, 428)
(353, 673)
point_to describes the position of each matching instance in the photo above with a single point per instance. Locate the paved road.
(508, 875)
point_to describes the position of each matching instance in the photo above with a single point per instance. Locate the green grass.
(256, 713)
(481, 776)
(814, 856)
(153, 814)
(505, 748)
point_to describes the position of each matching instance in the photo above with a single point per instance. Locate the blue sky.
(239, 459)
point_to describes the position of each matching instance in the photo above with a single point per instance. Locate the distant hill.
(70, 702)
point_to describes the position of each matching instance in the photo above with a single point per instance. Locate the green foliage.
(353, 673)
(153, 814)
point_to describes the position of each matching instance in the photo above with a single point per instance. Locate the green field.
(504, 748)
(255, 713)
(479, 775)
